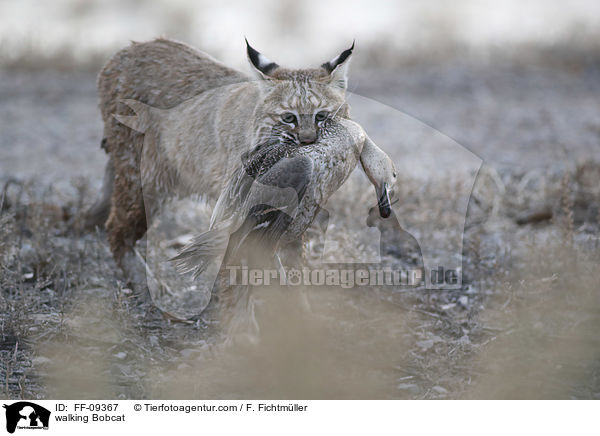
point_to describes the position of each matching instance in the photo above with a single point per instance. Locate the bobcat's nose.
(307, 137)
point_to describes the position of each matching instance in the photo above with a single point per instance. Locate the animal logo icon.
(25, 414)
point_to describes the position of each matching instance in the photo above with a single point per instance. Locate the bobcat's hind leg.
(126, 223)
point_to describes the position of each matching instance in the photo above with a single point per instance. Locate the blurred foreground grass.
(523, 326)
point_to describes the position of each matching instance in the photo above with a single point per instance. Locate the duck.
(279, 189)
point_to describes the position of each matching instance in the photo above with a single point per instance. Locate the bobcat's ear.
(338, 68)
(262, 65)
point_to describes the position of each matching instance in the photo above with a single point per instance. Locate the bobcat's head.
(297, 105)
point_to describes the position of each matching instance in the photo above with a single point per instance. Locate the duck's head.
(382, 173)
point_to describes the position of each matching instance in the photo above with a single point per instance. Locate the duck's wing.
(232, 197)
(250, 214)
(253, 165)
(202, 251)
(272, 203)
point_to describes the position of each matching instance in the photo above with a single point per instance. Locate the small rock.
(27, 250)
(440, 390)
(121, 355)
(187, 352)
(411, 387)
(470, 290)
(40, 360)
(464, 340)
(425, 345)
(463, 301)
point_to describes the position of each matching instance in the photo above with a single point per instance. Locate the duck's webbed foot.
(293, 254)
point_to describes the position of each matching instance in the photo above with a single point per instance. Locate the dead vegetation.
(523, 325)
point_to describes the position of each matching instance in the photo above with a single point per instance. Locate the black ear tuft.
(260, 61)
(333, 64)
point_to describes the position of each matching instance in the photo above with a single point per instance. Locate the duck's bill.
(383, 194)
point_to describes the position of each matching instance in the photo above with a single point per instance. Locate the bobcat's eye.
(288, 117)
(321, 116)
(394, 175)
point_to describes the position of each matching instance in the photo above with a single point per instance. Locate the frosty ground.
(524, 325)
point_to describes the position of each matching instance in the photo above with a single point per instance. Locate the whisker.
(338, 109)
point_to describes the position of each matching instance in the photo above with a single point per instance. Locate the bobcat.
(233, 114)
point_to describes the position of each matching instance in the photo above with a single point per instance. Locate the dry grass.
(524, 326)
(31, 57)
(570, 55)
